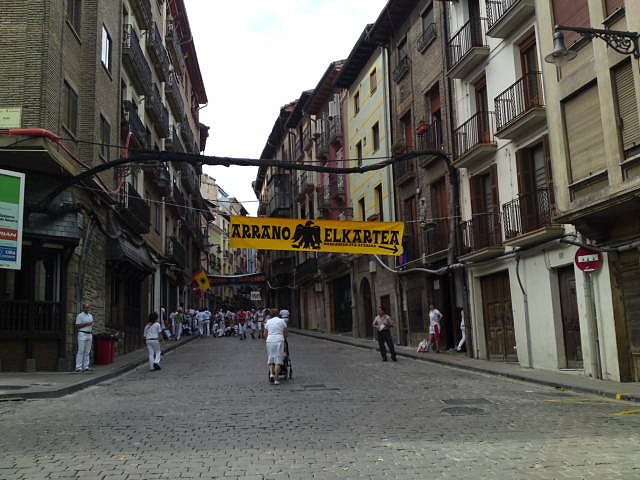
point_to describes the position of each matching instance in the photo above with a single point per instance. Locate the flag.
(201, 278)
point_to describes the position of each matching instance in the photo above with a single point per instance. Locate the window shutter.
(627, 105)
(523, 166)
(495, 197)
(613, 5)
(585, 137)
(571, 12)
(477, 205)
(547, 163)
(333, 109)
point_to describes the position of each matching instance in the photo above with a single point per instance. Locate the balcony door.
(534, 186)
(530, 78)
(482, 111)
(485, 205)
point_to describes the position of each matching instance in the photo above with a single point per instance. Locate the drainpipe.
(527, 323)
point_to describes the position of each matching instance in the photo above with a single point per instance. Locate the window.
(105, 54)
(359, 153)
(361, 210)
(73, 13)
(105, 138)
(406, 130)
(379, 204)
(70, 109)
(613, 5)
(427, 17)
(402, 49)
(356, 103)
(373, 81)
(627, 108)
(375, 135)
(571, 12)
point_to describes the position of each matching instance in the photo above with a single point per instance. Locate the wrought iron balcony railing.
(174, 97)
(158, 53)
(142, 11)
(478, 130)
(190, 179)
(430, 138)
(157, 112)
(131, 122)
(134, 209)
(176, 252)
(404, 64)
(496, 9)
(175, 49)
(337, 186)
(178, 201)
(135, 61)
(187, 135)
(528, 212)
(404, 168)
(481, 232)
(472, 34)
(173, 143)
(428, 35)
(437, 237)
(306, 136)
(335, 129)
(519, 98)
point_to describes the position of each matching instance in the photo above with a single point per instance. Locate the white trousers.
(84, 351)
(153, 347)
(462, 340)
(178, 331)
(206, 327)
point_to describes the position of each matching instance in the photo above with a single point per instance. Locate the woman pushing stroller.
(276, 333)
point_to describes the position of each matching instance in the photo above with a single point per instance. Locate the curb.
(88, 382)
(514, 376)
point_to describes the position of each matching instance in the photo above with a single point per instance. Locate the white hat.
(284, 313)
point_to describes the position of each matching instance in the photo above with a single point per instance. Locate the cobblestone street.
(211, 413)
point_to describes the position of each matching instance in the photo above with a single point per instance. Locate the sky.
(256, 56)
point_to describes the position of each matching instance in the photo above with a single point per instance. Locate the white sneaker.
(276, 382)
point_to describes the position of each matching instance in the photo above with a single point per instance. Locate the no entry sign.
(588, 260)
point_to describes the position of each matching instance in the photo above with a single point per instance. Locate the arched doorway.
(367, 307)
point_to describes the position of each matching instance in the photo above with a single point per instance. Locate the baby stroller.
(286, 370)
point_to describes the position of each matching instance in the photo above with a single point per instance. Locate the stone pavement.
(566, 380)
(211, 413)
(23, 385)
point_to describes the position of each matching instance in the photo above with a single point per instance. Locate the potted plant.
(398, 148)
(423, 126)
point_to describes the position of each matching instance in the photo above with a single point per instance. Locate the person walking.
(435, 319)
(275, 332)
(152, 337)
(207, 322)
(242, 325)
(179, 323)
(260, 322)
(464, 332)
(382, 324)
(84, 325)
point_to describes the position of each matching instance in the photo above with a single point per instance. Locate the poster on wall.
(11, 211)
(381, 238)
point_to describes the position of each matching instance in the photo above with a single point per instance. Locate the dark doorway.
(629, 280)
(367, 307)
(342, 304)
(570, 317)
(498, 317)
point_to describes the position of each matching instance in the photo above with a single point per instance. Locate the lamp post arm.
(621, 41)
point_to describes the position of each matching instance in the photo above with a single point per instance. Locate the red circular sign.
(588, 260)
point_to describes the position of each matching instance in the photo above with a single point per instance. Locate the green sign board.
(11, 211)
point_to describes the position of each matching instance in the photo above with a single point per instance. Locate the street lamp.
(621, 42)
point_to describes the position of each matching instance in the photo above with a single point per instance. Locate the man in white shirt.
(207, 322)
(152, 338)
(84, 325)
(382, 324)
(435, 317)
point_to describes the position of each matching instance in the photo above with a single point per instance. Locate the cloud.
(256, 56)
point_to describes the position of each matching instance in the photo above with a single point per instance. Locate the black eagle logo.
(307, 236)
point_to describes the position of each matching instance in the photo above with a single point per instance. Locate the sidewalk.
(574, 381)
(23, 385)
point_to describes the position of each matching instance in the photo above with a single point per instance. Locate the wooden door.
(570, 317)
(529, 64)
(498, 317)
(482, 110)
(629, 280)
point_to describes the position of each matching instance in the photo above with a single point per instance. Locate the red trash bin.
(103, 351)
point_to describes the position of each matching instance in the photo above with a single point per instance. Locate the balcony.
(174, 97)
(467, 49)
(134, 210)
(324, 197)
(297, 150)
(437, 240)
(172, 40)
(520, 108)
(280, 205)
(528, 219)
(177, 201)
(473, 141)
(157, 112)
(430, 139)
(404, 170)
(131, 123)
(404, 64)
(481, 238)
(426, 38)
(135, 62)
(505, 16)
(158, 54)
(161, 178)
(176, 252)
(187, 135)
(304, 184)
(142, 10)
(337, 187)
(307, 138)
(173, 143)
(189, 178)
(334, 132)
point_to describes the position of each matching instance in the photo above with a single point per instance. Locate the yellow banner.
(263, 233)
